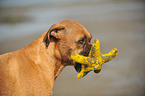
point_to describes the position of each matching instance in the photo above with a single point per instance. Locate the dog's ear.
(56, 31)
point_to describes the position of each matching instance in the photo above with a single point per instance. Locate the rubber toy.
(95, 59)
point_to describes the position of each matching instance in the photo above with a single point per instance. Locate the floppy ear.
(57, 32)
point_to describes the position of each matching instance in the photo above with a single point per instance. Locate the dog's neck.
(46, 57)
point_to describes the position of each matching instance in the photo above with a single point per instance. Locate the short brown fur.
(31, 71)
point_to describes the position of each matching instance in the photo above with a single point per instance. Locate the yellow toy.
(95, 59)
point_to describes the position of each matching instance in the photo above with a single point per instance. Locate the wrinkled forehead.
(77, 29)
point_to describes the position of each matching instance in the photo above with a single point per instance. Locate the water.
(117, 24)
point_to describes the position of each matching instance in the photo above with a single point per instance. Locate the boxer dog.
(31, 71)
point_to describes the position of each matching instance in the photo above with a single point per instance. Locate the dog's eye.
(81, 41)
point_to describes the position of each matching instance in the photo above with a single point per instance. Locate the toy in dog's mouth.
(78, 68)
(94, 60)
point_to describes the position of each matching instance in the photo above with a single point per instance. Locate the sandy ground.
(119, 24)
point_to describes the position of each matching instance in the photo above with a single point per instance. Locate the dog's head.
(70, 37)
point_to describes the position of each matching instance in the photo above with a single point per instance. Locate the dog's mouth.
(85, 52)
(78, 67)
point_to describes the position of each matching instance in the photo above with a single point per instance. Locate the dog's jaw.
(85, 52)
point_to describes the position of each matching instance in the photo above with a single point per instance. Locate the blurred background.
(116, 23)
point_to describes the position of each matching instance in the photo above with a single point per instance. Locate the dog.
(32, 70)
